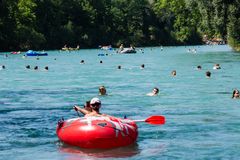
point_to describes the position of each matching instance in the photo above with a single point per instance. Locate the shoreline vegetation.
(139, 49)
(50, 24)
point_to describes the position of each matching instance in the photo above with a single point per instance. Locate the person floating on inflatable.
(95, 105)
(99, 131)
(91, 109)
(85, 110)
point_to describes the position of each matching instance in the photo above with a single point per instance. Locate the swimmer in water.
(154, 92)
(235, 94)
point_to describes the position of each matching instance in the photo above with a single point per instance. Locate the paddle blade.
(156, 120)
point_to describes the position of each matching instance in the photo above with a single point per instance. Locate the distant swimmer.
(199, 67)
(36, 68)
(102, 91)
(82, 62)
(174, 73)
(235, 94)
(46, 68)
(119, 67)
(28, 67)
(154, 92)
(3, 67)
(216, 66)
(142, 66)
(101, 62)
(194, 50)
(208, 74)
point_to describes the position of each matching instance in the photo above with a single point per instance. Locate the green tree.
(220, 18)
(234, 25)
(49, 18)
(50, 24)
(8, 24)
(181, 20)
(27, 35)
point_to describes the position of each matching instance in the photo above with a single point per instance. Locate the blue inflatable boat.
(34, 53)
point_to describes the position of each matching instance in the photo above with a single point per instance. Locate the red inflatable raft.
(97, 132)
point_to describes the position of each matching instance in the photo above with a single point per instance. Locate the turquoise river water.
(202, 120)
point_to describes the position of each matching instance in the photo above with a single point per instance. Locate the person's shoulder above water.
(154, 92)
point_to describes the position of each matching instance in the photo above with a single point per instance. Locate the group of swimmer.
(36, 67)
(235, 93)
(192, 50)
(208, 73)
(92, 108)
(155, 90)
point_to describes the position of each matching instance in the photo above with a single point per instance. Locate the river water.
(202, 120)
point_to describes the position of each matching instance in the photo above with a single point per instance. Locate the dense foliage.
(50, 24)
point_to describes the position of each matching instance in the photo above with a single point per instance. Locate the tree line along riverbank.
(50, 24)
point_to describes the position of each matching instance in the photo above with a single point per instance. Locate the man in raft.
(92, 109)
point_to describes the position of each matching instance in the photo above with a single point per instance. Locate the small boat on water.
(14, 52)
(97, 132)
(34, 53)
(127, 51)
(65, 48)
(109, 47)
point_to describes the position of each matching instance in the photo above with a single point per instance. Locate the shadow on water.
(76, 152)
